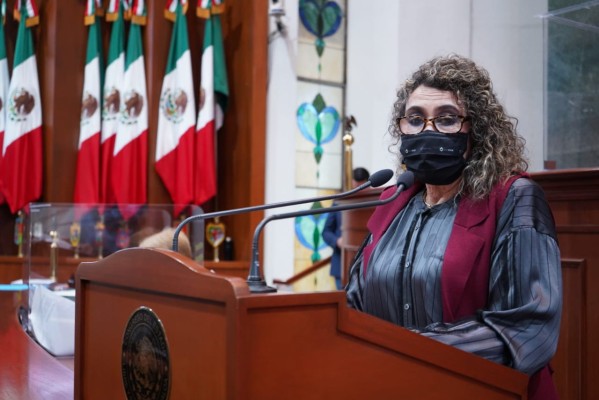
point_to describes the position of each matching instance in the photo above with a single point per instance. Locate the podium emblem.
(145, 361)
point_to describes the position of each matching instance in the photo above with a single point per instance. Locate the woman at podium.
(468, 255)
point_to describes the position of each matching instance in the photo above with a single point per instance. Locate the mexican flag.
(115, 71)
(213, 101)
(4, 82)
(176, 119)
(130, 155)
(22, 147)
(87, 180)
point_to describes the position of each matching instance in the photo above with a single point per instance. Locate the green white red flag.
(4, 83)
(130, 155)
(22, 147)
(28, 8)
(92, 8)
(170, 9)
(138, 11)
(87, 178)
(176, 118)
(116, 6)
(112, 96)
(214, 93)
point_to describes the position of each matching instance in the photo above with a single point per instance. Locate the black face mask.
(435, 158)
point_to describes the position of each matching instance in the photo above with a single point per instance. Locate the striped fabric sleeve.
(521, 325)
(356, 282)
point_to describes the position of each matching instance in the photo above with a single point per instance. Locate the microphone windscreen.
(381, 177)
(406, 179)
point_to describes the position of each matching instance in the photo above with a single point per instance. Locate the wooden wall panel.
(242, 143)
(574, 199)
(60, 51)
(569, 360)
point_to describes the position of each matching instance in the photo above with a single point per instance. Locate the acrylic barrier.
(56, 238)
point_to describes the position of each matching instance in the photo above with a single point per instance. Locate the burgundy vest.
(466, 263)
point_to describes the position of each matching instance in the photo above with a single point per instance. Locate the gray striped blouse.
(520, 325)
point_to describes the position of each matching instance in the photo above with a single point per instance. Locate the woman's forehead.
(426, 96)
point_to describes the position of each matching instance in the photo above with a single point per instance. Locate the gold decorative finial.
(99, 230)
(53, 254)
(348, 140)
(349, 122)
(18, 237)
(75, 236)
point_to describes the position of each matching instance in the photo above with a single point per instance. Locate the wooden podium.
(224, 342)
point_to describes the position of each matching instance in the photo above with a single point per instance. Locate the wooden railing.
(315, 267)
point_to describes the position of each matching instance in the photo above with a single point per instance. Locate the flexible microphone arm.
(255, 281)
(377, 179)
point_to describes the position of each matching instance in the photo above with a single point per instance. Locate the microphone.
(377, 179)
(255, 281)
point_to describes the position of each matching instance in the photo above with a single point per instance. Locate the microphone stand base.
(260, 286)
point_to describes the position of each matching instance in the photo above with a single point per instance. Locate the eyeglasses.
(414, 124)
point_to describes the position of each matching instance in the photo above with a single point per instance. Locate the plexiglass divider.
(57, 237)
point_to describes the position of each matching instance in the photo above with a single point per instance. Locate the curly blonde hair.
(497, 149)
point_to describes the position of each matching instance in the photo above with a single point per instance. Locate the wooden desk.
(11, 267)
(27, 371)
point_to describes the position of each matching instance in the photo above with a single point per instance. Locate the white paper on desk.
(52, 319)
